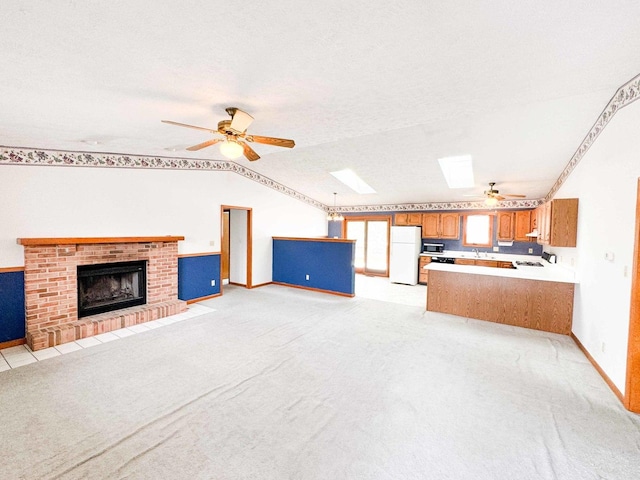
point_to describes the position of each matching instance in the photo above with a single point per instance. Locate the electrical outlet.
(496, 249)
(603, 347)
(531, 250)
(306, 277)
(626, 271)
(213, 283)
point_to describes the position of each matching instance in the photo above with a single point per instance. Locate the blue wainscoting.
(327, 262)
(12, 319)
(195, 273)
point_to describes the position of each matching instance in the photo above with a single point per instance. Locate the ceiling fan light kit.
(234, 131)
(491, 201)
(231, 149)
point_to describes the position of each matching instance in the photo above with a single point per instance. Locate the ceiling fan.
(493, 196)
(234, 132)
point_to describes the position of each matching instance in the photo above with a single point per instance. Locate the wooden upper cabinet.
(564, 222)
(523, 226)
(414, 219)
(401, 219)
(558, 223)
(542, 223)
(441, 225)
(515, 225)
(506, 226)
(430, 225)
(450, 226)
(534, 219)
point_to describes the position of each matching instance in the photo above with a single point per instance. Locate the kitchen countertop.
(500, 257)
(547, 273)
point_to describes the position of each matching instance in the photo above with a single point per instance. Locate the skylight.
(353, 181)
(457, 171)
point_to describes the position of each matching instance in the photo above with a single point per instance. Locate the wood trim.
(373, 218)
(314, 289)
(593, 362)
(13, 343)
(319, 239)
(249, 247)
(199, 299)
(204, 254)
(94, 240)
(11, 269)
(262, 285)
(632, 384)
(249, 238)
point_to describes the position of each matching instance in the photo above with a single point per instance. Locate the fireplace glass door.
(111, 286)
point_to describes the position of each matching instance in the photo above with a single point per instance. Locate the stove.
(529, 264)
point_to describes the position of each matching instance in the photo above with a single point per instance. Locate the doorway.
(236, 246)
(372, 243)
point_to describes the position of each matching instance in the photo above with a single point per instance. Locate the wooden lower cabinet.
(536, 304)
(487, 263)
(423, 275)
(477, 262)
(465, 261)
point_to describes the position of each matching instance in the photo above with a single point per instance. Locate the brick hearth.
(51, 296)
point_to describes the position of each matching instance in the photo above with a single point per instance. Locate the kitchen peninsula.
(540, 298)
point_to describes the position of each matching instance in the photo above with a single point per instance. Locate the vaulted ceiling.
(382, 87)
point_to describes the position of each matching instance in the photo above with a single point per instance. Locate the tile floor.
(20, 355)
(380, 288)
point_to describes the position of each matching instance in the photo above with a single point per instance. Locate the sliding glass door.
(372, 243)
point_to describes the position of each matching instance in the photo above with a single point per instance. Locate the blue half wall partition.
(12, 319)
(325, 264)
(195, 275)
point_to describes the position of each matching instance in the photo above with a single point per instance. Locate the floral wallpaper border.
(626, 94)
(416, 207)
(21, 156)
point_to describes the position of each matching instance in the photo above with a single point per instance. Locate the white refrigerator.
(405, 250)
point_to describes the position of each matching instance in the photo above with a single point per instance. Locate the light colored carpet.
(280, 383)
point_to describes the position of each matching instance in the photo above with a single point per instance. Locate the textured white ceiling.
(383, 87)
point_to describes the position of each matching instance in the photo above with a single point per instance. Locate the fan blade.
(514, 195)
(249, 152)
(202, 145)
(189, 126)
(278, 142)
(498, 197)
(240, 121)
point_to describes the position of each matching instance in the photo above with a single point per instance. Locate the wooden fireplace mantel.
(95, 240)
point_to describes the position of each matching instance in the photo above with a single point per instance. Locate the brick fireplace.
(51, 291)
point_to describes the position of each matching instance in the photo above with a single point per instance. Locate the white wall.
(56, 201)
(605, 181)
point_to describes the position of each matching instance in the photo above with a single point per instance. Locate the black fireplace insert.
(111, 286)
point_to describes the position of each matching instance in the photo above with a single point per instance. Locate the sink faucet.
(475, 250)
